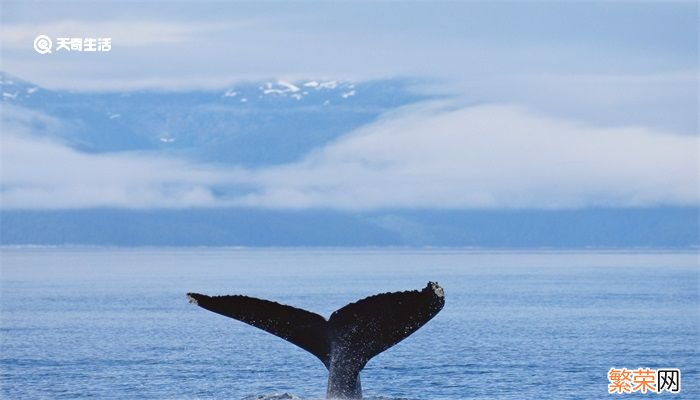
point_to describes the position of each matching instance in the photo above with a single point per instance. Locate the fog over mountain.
(320, 162)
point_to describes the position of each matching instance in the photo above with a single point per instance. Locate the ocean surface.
(115, 323)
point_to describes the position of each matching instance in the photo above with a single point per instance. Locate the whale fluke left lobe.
(300, 327)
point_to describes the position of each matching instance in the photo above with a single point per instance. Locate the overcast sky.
(599, 96)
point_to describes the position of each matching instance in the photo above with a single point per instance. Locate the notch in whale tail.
(348, 339)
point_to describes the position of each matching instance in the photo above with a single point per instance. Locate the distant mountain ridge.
(257, 124)
(591, 228)
(247, 124)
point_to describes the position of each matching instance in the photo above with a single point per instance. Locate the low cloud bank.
(432, 155)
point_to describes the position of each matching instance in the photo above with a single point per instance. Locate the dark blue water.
(107, 323)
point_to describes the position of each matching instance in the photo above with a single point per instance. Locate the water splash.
(287, 396)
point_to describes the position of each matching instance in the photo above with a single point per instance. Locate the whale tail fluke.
(348, 339)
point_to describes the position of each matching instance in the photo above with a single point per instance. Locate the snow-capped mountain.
(249, 124)
(272, 122)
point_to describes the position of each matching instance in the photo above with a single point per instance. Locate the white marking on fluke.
(437, 289)
(192, 300)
